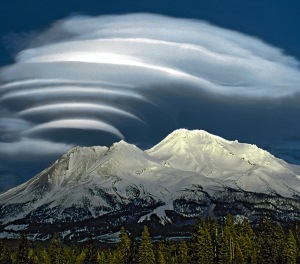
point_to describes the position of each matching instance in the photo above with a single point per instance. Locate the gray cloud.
(94, 80)
(29, 149)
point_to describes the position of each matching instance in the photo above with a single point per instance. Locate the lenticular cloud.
(107, 74)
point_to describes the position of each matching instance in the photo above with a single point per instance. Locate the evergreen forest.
(210, 242)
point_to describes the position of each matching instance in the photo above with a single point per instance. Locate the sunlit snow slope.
(190, 173)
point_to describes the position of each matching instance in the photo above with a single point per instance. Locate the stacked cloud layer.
(94, 80)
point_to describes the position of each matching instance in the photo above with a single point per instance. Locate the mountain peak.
(187, 140)
(200, 135)
(122, 144)
(189, 173)
(83, 150)
(183, 132)
(123, 147)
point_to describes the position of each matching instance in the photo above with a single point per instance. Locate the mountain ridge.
(186, 175)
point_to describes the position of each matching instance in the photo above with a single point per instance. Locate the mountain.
(96, 190)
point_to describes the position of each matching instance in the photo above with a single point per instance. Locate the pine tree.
(123, 248)
(23, 250)
(43, 255)
(247, 229)
(290, 251)
(214, 231)
(32, 257)
(134, 252)
(279, 243)
(226, 254)
(112, 257)
(266, 241)
(193, 249)
(56, 251)
(80, 258)
(238, 257)
(296, 231)
(229, 241)
(160, 255)
(4, 253)
(91, 251)
(182, 256)
(73, 255)
(245, 240)
(101, 257)
(201, 248)
(169, 251)
(146, 254)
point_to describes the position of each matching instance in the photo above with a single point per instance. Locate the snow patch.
(161, 214)
(16, 227)
(9, 235)
(109, 237)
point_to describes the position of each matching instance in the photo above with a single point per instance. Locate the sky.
(95, 72)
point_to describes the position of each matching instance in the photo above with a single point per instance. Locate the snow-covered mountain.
(95, 190)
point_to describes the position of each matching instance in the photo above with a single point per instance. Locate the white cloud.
(210, 58)
(76, 123)
(99, 73)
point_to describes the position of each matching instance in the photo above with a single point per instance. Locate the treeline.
(210, 242)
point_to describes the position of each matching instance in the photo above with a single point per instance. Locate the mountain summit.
(187, 175)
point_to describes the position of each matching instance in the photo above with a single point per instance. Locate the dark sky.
(146, 116)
